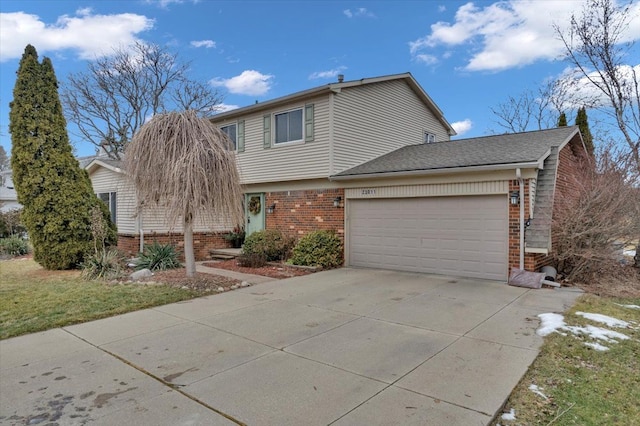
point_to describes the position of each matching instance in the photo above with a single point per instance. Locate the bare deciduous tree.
(532, 110)
(116, 95)
(601, 211)
(595, 44)
(184, 165)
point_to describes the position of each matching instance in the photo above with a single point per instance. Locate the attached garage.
(456, 235)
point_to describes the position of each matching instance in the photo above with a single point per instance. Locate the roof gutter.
(410, 173)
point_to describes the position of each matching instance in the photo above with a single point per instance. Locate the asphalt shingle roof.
(481, 151)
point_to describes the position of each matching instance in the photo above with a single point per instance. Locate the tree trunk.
(189, 257)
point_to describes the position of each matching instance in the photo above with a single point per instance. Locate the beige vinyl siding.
(154, 221)
(429, 190)
(105, 180)
(375, 119)
(304, 160)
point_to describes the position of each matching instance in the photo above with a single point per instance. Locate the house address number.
(368, 192)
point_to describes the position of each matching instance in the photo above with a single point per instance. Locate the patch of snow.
(629, 306)
(550, 323)
(597, 346)
(538, 391)
(610, 321)
(630, 253)
(598, 333)
(511, 415)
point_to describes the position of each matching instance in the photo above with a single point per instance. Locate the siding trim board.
(429, 190)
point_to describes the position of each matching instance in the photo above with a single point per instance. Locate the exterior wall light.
(271, 208)
(337, 201)
(514, 197)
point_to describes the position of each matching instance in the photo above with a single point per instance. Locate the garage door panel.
(447, 235)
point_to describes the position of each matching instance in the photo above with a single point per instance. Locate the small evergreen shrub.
(318, 248)
(106, 264)
(158, 257)
(271, 243)
(253, 260)
(14, 246)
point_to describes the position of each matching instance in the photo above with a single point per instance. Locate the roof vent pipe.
(340, 78)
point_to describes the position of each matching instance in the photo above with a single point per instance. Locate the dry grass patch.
(577, 384)
(33, 299)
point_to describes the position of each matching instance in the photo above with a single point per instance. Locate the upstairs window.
(232, 131)
(288, 126)
(429, 137)
(109, 198)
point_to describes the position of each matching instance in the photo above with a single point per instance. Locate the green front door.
(254, 213)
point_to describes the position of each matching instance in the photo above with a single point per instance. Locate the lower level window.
(109, 198)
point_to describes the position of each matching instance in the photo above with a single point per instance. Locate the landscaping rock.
(245, 284)
(141, 274)
(220, 289)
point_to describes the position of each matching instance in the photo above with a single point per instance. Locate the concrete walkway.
(250, 278)
(341, 347)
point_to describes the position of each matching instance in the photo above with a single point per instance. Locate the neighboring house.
(8, 196)
(372, 159)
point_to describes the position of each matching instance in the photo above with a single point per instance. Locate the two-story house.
(372, 159)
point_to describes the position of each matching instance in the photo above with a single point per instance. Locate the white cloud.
(581, 91)
(249, 82)
(203, 43)
(509, 33)
(361, 12)
(327, 74)
(164, 4)
(442, 8)
(224, 108)
(462, 127)
(426, 59)
(90, 35)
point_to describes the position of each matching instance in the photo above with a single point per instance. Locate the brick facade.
(203, 242)
(300, 212)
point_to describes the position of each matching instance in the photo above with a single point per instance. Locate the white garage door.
(464, 236)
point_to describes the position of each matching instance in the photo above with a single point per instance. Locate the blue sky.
(467, 56)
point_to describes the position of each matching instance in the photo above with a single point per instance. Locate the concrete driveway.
(342, 347)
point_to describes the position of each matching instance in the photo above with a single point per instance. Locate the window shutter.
(240, 136)
(266, 131)
(308, 123)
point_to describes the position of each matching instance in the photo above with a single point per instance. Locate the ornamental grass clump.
(158, 257)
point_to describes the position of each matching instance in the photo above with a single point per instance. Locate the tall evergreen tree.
(56, 193)
(562, 121)
(583, 123)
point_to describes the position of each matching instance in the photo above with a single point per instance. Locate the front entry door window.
(254, 213)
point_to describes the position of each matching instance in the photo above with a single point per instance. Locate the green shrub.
(253, 260)
(106, 264)
(271, 243)
(158, 257)
(318, 248)
(14, 246)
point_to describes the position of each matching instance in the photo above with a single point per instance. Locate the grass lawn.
(578, 385)
(33, 299)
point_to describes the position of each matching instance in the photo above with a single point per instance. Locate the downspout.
(521, 221)
(141, 231)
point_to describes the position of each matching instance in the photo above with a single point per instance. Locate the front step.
(224, 254)
(215, 256)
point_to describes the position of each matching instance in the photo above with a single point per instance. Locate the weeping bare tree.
(183, 164)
